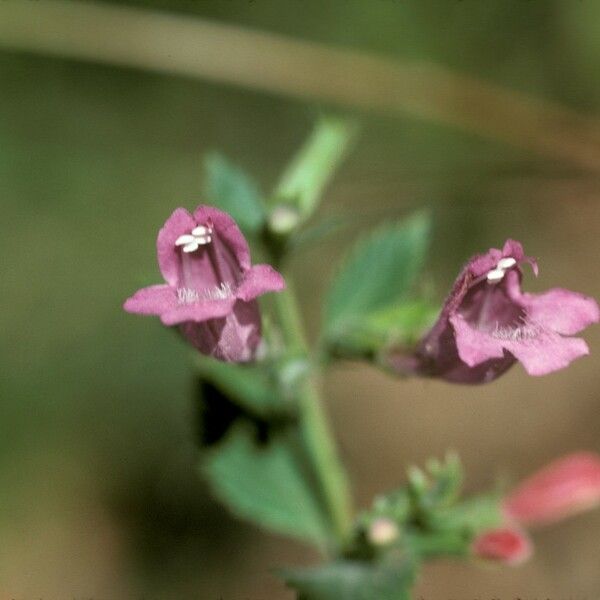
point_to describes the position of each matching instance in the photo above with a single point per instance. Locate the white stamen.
(201, 230)
(191, 247)
(200, 236)
(495, 275)
(203, 240)
(506, 263)
(182, 240)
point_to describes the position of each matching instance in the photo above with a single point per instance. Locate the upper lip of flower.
(205, 261)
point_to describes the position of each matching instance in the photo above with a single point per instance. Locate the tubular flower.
(488, 323)
(563, 488)
(507, 545)
(211, 287)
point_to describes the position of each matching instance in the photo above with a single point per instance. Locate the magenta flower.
(507, 545)
(487, 324)
(211, 286)
(563, 488)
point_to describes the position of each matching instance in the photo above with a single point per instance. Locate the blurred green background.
(99, 492)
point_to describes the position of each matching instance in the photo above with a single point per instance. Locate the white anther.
(200, 236)
(201, 230)
(191, 247)
(506, 263)
(495, 275)
(182, 240)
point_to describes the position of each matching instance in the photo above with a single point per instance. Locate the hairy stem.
(315, 430)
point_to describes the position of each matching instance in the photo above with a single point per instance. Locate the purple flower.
(211, 286)
(487, 324)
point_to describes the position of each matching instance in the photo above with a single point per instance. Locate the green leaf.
(254, 387)
(266, 484)
(302, 183)
(378, 273)
(403, 323)
(233, 191)
(388, 579)
(400, 325)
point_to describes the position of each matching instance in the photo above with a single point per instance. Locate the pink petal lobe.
(234, 338)
(152, 300)
(259, 280)
(474, 346)
(228, 232)
(513, 249)
(198, 312)
(561, 310)
(547, 352)
(179, 223)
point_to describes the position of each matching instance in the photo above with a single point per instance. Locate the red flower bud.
(565, 487)
(510, 546)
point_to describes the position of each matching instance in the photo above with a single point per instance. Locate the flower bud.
(506, 545)
(563, 488)
(382, 531)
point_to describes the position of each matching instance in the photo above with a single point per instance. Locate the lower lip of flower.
(186, 296)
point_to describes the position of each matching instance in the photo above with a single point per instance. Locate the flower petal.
(178, 224)
(234, 338)
(514, 249)
(546, 352)
(227, 230)
(474, 346)
(152, 300)
(561, 310)
(198, 312)
(259, 280)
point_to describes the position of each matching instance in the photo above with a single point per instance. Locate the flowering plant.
(267, 450)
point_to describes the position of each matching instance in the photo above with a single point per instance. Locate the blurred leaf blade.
(232, 190)
(266, 484)
(250, 386)
(400, 325)
(473, 515)
(378, 273)
(390, 579)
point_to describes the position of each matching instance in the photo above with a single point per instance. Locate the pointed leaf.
(266, 484)
(232, 190)
(378, 273)
(254, 387)
(390, 579)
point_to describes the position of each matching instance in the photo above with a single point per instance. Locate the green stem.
(315, 429)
